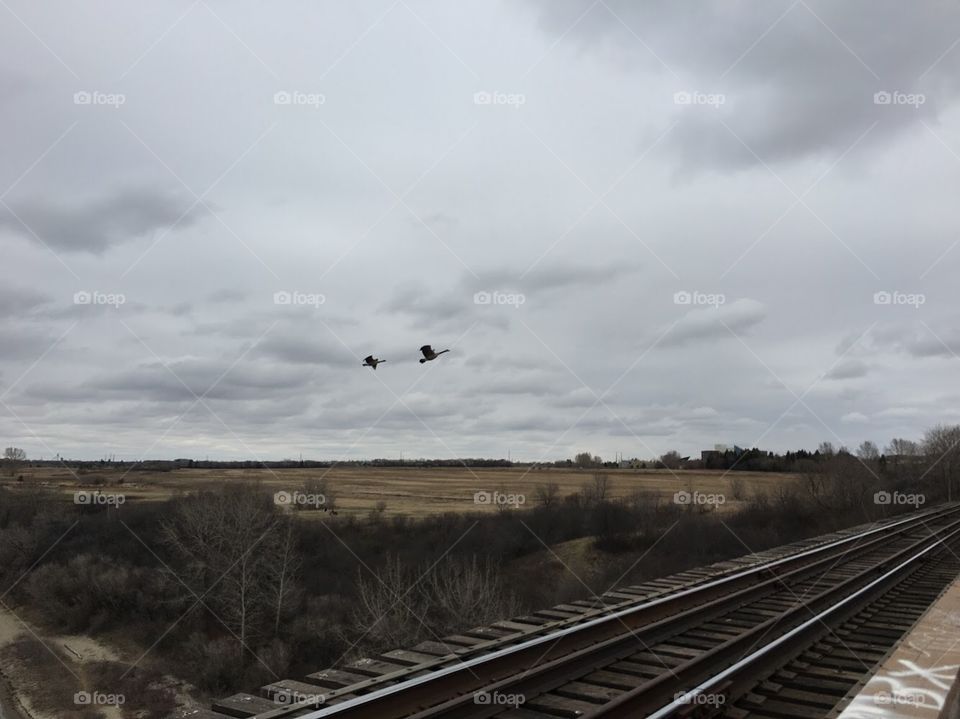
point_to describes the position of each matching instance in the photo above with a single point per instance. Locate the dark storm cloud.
(99, 224)
(797, 78)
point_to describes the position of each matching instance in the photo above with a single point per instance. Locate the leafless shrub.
(547, 494)
(598, 490)
(738, 489)
(400, 605)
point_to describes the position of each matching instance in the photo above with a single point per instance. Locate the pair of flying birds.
(427, 350)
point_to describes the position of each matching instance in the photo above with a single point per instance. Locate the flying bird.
(429, 354)
(371, 361)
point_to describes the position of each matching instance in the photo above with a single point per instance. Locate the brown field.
(413, 491)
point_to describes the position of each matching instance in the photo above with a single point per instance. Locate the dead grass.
(412, 491)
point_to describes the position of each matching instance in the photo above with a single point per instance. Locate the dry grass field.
(413, 491)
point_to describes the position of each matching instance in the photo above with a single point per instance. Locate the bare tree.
(12, 458)
(597, 490)
(902, 448)
(868, 452)
(902, 456)
(601, 487)
(585, 460)
(547, 494)
(283, 561)
(229, 546)
(941, 445)
(839, 481)
(671, 460)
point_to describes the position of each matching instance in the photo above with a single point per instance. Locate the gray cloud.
(99, 224)
(188, 378)
(294, 349)
(706, 323)
(24, 342)
(849, 369)
(20, 301)
(918, 340)
(798, 79)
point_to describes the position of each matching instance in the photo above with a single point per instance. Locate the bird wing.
(368, 358)
(426, 350)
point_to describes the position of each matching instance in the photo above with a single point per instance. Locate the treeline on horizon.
(736, 459)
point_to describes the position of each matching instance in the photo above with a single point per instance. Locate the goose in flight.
(429, 354)
(371, 361)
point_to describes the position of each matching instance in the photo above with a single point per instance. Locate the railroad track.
(738, 639)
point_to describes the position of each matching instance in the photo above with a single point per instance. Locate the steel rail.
(550, 675)
(735, 672)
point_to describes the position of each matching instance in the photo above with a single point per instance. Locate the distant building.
(719, 450)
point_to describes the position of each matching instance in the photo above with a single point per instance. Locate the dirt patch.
(78, 677)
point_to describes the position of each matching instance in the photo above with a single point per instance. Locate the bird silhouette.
(371, 361)
(429, 354)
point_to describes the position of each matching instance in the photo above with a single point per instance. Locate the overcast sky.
(681, 216)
